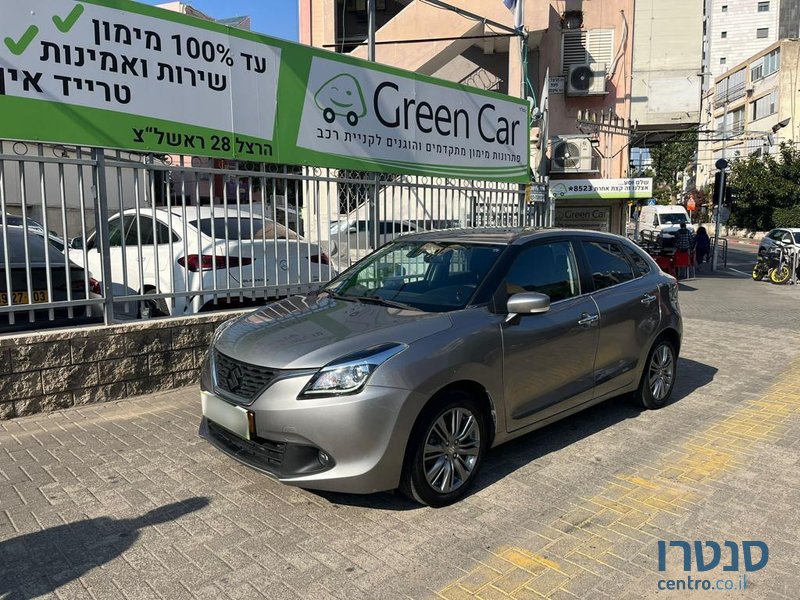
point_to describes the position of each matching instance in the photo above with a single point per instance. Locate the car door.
(628, 304)
(147, 243)
(94, 260)
(548, 358)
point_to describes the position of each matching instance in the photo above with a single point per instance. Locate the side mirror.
(527, 303)
(76, 243)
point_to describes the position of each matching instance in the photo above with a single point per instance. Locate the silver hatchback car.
(404, 370)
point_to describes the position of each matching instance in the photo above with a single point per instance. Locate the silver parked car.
(405, 369)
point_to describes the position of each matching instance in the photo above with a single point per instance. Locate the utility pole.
(371, 30)
(719, 193)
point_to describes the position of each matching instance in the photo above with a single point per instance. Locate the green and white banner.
(120, 74)
(601, 189)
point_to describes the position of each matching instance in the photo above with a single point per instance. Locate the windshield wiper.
(383, 301)
(338, 296)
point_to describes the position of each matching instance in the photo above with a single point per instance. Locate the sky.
(277, 18)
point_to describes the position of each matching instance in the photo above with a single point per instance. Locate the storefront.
(597, 204)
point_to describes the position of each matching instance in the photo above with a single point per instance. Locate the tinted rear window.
(36, 248)
(235, 228)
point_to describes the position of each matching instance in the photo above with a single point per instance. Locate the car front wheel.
(445, 450)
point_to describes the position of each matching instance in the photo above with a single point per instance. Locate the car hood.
(304, 332)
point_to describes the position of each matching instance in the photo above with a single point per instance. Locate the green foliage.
(787, 217)
(768, 188)
(669, 160)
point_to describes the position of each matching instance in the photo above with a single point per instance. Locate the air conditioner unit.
(586, 80)
(571, 155)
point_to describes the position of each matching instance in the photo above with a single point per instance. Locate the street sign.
(651, 202)
(690, 205)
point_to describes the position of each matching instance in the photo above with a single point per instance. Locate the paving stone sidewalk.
(123, 500)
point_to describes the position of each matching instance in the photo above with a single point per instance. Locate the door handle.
(648, 298)
(587, 319)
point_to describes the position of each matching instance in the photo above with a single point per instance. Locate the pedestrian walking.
(683, 239)
(702, 245)
(683, 247)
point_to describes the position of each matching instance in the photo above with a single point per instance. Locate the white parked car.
(359, 235)
(193, 251)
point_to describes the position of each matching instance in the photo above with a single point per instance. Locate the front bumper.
(363, 436)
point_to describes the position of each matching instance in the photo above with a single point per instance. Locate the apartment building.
(752, 107)
(737, 29)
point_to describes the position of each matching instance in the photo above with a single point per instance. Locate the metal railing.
(652, 242)
(109, 236)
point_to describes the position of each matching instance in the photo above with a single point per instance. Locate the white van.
(663, 220)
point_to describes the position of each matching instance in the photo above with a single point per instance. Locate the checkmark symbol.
(19, 46)
(64, 25)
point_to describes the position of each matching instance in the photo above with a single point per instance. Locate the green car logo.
(341, 96)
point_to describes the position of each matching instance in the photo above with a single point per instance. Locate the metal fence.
(100, 235)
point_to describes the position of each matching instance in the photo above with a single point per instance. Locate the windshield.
(427, 276)
(676, 218)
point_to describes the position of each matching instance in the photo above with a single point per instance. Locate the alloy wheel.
(662, 372)
(452, 446)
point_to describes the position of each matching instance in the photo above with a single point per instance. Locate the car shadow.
(36, 564)
(509, 457)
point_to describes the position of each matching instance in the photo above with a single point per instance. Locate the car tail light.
(320, 258)
(78, 285)
(207, 262)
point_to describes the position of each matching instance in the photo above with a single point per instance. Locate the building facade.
(752, 107)
(737, 29)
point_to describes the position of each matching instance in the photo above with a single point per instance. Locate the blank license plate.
(232, 418)
(39, 296)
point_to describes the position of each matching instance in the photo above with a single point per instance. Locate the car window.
(134, 231)
(640, 264)
(234, 228)
(420, 274)
(786, 237)
(797, 237)
(115, 232)
(37, 248)
(545, 268)
(607, 264)
(164, 235)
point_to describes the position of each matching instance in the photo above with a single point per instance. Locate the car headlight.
(349, 374)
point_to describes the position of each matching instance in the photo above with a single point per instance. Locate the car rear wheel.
(658, 379)
(445, 450)
(153, 307)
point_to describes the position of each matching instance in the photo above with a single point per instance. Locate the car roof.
(792, 229)
(504, 235)
(195, 212)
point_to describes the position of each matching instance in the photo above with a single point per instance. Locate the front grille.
(240, 380)
(263, 454)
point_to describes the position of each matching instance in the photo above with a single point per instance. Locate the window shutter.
(584, 47)
(600, 44)
(574, 49)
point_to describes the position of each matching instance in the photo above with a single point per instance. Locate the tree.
(670, 159)
(767, 189)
